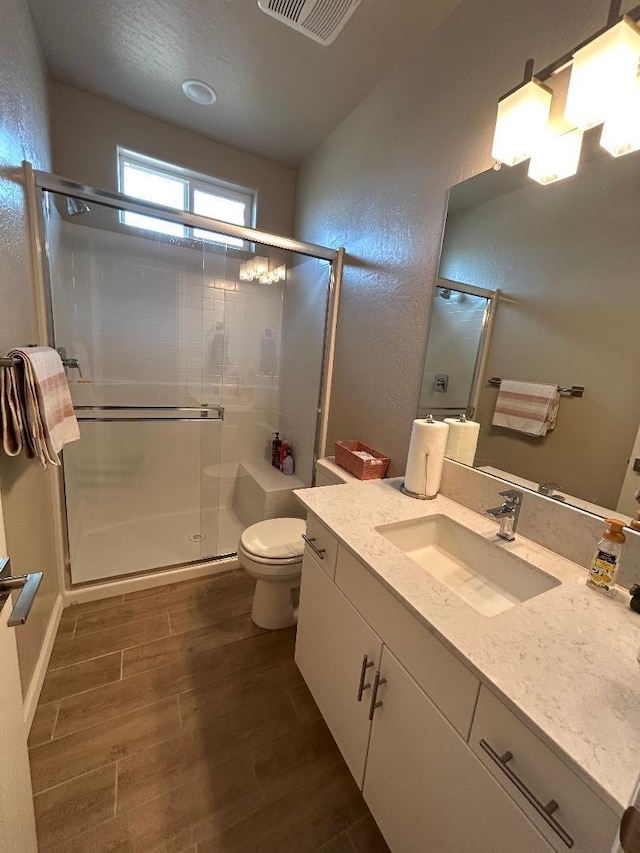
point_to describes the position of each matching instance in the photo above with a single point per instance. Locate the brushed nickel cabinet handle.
(377, 681)
(366, 663)
(630, 830)
(310, 542)
(545, 811)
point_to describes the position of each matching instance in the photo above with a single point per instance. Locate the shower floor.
(154, 542)
(169, 723)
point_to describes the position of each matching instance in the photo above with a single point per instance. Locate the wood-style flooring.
(169, 723)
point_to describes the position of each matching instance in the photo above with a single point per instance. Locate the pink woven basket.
(363, 469)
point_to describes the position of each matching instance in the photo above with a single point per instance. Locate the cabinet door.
(331, 644)
(425, 787)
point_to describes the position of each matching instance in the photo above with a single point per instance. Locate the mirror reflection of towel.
(528, 407)
(268, 354)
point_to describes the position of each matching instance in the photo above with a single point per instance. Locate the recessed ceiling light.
(199, 92)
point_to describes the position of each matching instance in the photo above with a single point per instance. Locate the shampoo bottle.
(288, 466)
(283, 452)
(606, 560)
(276, 444)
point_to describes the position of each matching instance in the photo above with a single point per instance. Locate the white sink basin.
(481, 572)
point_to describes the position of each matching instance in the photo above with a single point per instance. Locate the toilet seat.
(270, 570)
(276, 540)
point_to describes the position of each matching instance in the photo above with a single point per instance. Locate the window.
(150, 180)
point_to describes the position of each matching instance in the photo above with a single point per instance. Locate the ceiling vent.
(320, 20)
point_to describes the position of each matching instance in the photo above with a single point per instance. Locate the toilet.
(271, 552)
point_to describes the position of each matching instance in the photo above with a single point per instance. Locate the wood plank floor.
(169, 723)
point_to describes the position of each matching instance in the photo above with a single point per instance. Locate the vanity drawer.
(535, 775)
(447, 681)
(321, 544)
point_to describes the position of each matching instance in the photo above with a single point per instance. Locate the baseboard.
(118, 586)
(37, 679)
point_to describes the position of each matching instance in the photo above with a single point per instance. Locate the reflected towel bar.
(574, 391)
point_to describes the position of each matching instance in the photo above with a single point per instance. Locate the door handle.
(366, 663)
(630, 830)
(28, 586)
(545, 810)
(377, 681)
(310, 540)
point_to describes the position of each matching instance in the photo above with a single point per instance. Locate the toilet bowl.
(271, 552)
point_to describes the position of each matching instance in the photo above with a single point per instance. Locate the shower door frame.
(38, 182)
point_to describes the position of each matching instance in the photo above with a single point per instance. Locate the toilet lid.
(275, 538)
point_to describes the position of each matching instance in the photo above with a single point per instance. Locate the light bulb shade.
(621, 131)
(603, 75)
(557, 158)
(521, 123)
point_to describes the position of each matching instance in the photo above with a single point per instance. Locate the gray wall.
(86, 131)
(378, 186)
(24, 486)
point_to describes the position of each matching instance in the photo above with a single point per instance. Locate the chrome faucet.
(507, 513)
(549, 491)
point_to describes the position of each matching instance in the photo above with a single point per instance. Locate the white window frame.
(192, 181)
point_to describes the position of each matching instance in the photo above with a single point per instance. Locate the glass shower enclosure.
(184, 351)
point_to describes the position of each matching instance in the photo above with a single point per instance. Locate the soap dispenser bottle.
(606, 560)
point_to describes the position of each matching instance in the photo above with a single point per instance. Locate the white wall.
(379, 184)
(24, 486)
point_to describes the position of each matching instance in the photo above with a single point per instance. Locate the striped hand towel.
(37, 411)
(527, 407)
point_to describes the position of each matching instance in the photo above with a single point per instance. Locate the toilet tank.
(330, 474)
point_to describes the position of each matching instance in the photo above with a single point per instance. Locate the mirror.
(559, 266)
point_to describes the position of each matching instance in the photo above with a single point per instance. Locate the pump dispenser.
(606, 560)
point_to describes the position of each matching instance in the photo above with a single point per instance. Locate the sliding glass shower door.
(142, 484)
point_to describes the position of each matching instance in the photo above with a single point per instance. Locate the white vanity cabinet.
(443, 764)
(338, 654)
(424, 786)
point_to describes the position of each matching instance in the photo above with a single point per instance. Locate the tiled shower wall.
(136, 309)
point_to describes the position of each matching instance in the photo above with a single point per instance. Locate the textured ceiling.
(279, 93)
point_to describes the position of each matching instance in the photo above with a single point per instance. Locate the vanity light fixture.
(557, 157)
(604, 87)
(621, 130)
(603, 75)
(522, 120)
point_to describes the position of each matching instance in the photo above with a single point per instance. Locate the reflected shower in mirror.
(565, 260)
(456, 350)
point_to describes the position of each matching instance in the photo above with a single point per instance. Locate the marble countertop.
(565, 661)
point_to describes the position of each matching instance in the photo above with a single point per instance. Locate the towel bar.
(574, 391)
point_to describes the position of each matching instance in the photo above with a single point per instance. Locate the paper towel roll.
(462, 440)
(426, 457)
